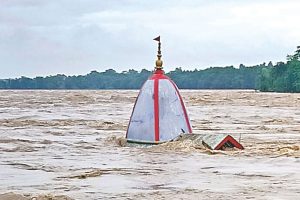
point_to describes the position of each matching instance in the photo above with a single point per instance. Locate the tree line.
(281, 77)
(284, 77)
(211, 78)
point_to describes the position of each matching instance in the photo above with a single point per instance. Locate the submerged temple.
(159, 114)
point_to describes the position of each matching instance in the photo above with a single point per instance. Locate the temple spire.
(159, 62)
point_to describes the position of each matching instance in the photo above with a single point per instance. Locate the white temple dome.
(159, 114)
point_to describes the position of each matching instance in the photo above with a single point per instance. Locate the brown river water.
(71, 143)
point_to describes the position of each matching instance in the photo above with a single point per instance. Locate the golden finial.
(158, 62)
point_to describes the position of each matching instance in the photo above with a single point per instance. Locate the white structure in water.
(159, 114)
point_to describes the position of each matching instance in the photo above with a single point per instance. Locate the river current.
(72, 143)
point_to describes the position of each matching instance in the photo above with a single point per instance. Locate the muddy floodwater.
(71, 143)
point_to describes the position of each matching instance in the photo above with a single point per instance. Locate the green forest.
(280, 77)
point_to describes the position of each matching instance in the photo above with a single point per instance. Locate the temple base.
(144, 142)
(211, 141)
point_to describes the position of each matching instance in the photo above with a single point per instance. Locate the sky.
(48, 37)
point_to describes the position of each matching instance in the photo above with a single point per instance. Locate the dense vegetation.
(212, 78)
(282, 77)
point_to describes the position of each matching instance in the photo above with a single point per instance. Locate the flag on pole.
(157, 39)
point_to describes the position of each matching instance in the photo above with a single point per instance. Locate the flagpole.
(158, 62)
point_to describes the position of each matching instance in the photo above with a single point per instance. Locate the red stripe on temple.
(156, 109)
